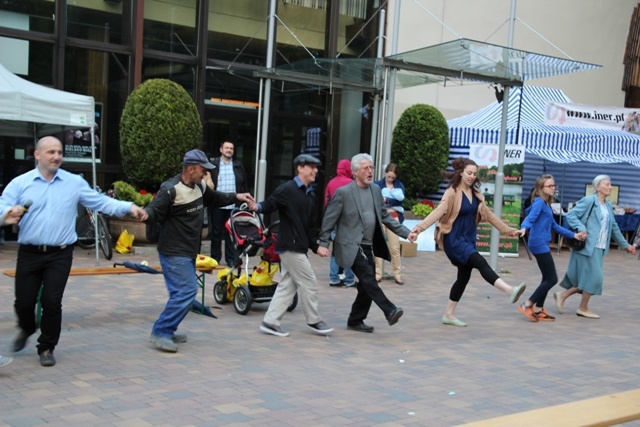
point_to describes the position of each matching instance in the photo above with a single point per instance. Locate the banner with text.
(77, 143)
(486, 157)
(591, 116)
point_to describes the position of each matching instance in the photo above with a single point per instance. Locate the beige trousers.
(393, 242)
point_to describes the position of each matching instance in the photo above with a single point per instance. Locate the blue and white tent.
(573, 155)
(526, 126)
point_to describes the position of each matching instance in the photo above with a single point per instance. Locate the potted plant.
(420, 147)
(159, 123)
(422, 209)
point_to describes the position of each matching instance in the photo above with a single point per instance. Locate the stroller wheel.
(220, 292)
(294, 303)
(242, 300)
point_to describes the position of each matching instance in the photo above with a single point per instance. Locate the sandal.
(543, 316)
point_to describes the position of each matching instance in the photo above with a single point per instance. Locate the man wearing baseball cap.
(178, 207)
(296, 204)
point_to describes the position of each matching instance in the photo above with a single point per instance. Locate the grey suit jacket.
(345, 212)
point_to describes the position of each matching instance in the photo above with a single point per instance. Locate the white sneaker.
(321, 328)
(273, 330)
(5, 360)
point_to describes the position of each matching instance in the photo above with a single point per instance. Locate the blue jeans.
(334, 277)
(180, 277)
(334, 268)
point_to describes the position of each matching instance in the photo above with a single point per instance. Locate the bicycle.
(85, 229)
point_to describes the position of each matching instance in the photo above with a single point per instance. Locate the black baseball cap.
(197, 157)
(306, 159)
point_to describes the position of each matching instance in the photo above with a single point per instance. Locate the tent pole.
(494, 245)
(560, 193)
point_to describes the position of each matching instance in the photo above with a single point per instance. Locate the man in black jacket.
(178, 208)
(227, 176)
(296, 204)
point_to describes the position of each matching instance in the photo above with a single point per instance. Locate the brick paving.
(416, 373)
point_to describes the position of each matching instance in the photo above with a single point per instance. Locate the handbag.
(575, 244)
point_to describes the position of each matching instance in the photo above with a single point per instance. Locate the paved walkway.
(416, 373)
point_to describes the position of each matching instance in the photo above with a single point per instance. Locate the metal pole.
(261, 176)
(376, 96)
(258, 138)
(386, 146)
(494, 246)
(512, 21)
(95, 187)
(382, 123)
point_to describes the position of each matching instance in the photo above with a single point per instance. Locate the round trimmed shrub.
(159, 124)
(420, 147)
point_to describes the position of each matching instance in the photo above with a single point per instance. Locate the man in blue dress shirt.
(46, 198)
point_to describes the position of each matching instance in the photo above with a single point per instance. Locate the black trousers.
(217, 219)
(51, 271)
(478, 262)
(549, 278)
(364, 268)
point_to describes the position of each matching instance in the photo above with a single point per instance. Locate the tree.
(159, 123)
(420, 147)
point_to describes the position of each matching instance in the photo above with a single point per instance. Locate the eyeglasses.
(550, 186)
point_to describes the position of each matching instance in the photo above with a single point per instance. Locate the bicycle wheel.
(86, 235)
(104, 238)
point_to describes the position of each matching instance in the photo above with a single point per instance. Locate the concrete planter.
(133, 226)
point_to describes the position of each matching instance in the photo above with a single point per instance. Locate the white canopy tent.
(31, 110)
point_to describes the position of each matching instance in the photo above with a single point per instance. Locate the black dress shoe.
(399, 282)
(394, 316)
(360, 327)
(20, 341)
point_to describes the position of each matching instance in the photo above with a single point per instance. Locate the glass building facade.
(106, 48)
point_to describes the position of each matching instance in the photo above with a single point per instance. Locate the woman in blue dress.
(540, 222)
(585, 275)
(461, 209)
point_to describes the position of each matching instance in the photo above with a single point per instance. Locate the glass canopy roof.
(457, 60)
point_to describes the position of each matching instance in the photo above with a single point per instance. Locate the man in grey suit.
(357, 211)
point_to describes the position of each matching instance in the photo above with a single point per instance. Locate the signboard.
(77, 143)
(486, 157)
(592, 116)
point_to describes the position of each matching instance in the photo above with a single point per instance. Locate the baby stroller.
(250, 238)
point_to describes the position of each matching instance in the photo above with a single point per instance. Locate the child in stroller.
(250, 238)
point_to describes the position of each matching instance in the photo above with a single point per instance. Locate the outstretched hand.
(138, 213)
(245, 197)
(580, 236)
(631, 249)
